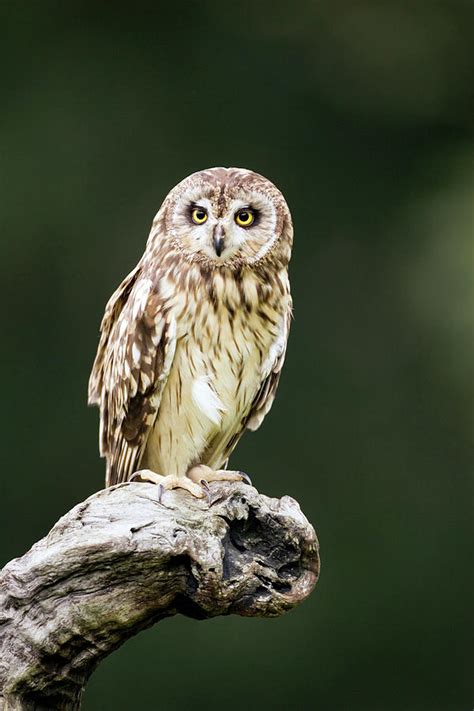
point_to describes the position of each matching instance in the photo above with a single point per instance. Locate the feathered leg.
(170, 482)
(202, 474)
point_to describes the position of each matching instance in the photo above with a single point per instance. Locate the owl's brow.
(221, 201)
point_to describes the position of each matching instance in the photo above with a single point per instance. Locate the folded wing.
(134, 357)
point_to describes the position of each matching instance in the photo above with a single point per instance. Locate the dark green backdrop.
(360, 112)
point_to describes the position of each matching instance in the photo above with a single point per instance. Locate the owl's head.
(226, 217)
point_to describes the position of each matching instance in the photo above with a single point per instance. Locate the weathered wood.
(121, 561)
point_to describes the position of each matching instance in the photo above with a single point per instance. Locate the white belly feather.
(216, 373)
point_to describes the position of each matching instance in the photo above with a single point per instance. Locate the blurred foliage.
(361, 112)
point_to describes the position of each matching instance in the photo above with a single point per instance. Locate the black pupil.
(200, 214)
(244, 216)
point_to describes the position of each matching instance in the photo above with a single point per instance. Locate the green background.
(361, 112)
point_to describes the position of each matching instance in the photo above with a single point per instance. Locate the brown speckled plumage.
(192, 344)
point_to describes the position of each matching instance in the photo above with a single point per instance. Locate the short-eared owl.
(193, 340)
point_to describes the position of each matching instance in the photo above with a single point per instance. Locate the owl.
(193, 340)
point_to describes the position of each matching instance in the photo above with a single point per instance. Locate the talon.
(207, 490)
(246, 478)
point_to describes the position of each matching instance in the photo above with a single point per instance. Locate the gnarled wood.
(121, 561)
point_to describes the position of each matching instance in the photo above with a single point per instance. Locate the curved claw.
(246, 478)
(207, 491)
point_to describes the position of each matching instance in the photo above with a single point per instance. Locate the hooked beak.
(218, 239)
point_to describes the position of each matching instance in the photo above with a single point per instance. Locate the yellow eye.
(199, 216)
(245, 218)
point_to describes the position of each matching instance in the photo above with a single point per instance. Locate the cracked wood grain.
(121, 561)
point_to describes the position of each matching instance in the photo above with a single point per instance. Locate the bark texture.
(121, 561)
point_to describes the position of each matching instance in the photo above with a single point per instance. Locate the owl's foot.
(203, 475)
(171, 481)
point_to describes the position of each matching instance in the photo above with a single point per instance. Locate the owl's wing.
(113, 310)
(136, 350)
(265, 396)
(271, 372)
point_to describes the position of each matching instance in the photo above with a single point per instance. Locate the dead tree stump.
(121, 561)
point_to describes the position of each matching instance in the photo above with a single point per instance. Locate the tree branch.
(121, 561)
